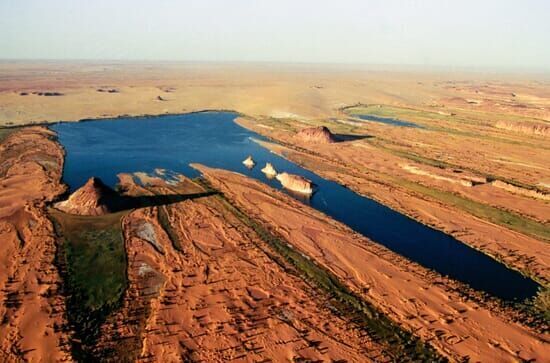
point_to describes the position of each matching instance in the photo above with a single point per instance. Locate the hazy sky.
(480, 33)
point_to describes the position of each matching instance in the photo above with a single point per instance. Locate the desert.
(370, 167)
(215, 181)
(157, 235)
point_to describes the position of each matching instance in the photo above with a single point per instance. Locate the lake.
(126, 145)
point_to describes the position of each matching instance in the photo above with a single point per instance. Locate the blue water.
(126, 145)
(390, 121)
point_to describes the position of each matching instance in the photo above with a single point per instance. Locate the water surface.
(126, 145)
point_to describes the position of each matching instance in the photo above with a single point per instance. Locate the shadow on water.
(125, 145)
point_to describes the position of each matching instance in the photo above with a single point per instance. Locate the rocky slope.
(319, 134)
(93, 199)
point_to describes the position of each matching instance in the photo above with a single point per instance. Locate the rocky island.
(269, 171)
(295, 183)
(249, 162)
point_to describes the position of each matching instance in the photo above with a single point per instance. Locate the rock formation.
(525, 127)
(108, 90)
(519, 190)
(249, 162)
(319, 134)
(417, 171)
(295, 183)
(93, 199)
(269, 171)
(49, 94)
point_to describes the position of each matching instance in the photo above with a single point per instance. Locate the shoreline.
(541, 281)
(321, 249)
(409, 267)
(114, 118)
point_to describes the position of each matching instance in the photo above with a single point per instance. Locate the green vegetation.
(5, 132)
(542, 303)
(280, 123)
(465, 117)
(494, 215)
(94, 259)
(445, 165)
(401, 345)
(402, 113)
(489, 213)
(486, 212)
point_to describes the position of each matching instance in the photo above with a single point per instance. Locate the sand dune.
(406, 292)
(32, 320)
(214, 295)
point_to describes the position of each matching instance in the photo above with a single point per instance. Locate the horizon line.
(395, 66)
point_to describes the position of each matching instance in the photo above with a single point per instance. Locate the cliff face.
(319, 134)
(93, 199)
(296, 183)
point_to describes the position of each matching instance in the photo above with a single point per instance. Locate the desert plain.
(226, 268)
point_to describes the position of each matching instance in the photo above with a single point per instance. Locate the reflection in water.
(302, 197)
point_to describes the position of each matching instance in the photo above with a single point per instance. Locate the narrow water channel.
(126, 145)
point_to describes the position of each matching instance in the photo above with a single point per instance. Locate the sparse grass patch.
(92, 251)
(401, 113)
(486, 212)
(464, 117)
(542, 303)
(5, 132)
(279, 123)
(445, 165)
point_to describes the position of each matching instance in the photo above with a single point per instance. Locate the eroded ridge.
(512, 227)
(32, 309)
(408, 293)
(201, 287)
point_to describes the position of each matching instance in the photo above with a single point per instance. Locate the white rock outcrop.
(249, 162)
(295, 183)
(269, 171)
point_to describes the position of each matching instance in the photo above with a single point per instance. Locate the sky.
(460, 33)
